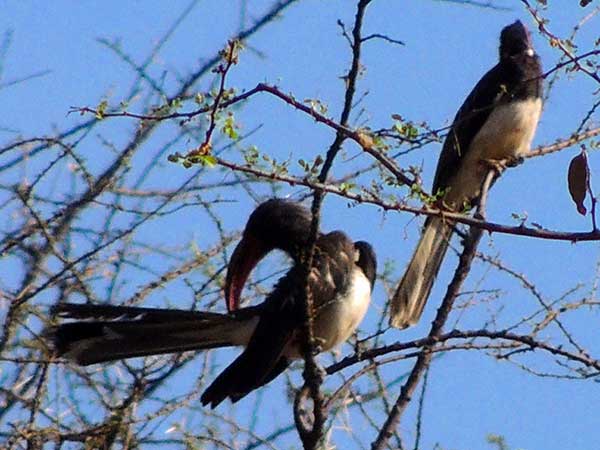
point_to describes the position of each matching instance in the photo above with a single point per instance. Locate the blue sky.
(448, 48)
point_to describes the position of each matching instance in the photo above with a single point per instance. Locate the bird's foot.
(318, 374)
(514, 162)
(500, 165)
(317, 347)
(477, 215)
(497, 165)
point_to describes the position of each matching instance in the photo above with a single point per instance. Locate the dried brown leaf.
(578, 177)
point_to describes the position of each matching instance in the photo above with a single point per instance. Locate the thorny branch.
(363, 139)
(369, 197)
(555, 41)
(424, 358)
(313, 373)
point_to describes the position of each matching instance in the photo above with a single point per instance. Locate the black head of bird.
(274, 224)
(366, 260)
(515, 40)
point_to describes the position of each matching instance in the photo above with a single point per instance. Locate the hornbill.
(494, 125)
(340, 281)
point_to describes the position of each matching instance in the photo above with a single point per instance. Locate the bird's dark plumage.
(340, 282)
(496, 122)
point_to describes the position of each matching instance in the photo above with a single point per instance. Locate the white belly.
(506, 134)
(336, 321)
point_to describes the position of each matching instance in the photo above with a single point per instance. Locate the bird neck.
(523, 76)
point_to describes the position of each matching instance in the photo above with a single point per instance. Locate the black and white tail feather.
(108, 333)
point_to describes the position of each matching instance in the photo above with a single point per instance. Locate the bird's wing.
(468, 121)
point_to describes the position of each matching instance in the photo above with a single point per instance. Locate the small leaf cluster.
(311, 168)
(316, 105)
(406, 129)
(199, 156)
(229, 127)
(101, 109)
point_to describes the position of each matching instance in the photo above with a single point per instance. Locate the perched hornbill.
(496, 123)
(340, 281)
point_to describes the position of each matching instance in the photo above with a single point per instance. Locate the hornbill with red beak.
(340, 281)
(495, 124)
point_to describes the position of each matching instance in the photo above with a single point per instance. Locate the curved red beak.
(245, 257)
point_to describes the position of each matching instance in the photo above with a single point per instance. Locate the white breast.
(507, 133)
(336, 321)
(509, 130)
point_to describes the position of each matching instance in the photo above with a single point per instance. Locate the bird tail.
(414, 288)
(108, 333)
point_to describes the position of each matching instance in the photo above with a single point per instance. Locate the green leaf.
(345, 187)
(229, 127)
(176, 103)
(208, 160)
(101, 109)
(199, 98)
(251, 155)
